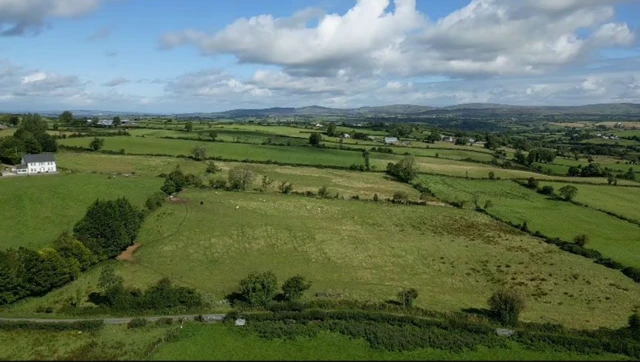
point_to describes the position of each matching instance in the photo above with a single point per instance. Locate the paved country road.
(124, 320)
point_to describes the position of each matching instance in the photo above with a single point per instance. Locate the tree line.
(31, 137)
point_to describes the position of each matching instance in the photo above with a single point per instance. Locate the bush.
(155, 201)
(400, 196)
(532, 183)
(240, 178)
(164, 322)
(294, 287)
(581, 240)
(286, 187)
(407, 296)
(506, 306)
(137, 323)
(546, 190)
(259, 289)
(323, 192)
(87, 326)
(212, 167)
(217, 183)
(403, 171)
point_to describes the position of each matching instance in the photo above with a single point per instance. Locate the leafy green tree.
(96, 144)
(212, 168)
(31, 144)
(13, 120)
(95, 121)
(109, 279)
(492, 175)
(66, 118)
(506, 306)
(11, 288)
(634, 325)
(407, 297)
(169, 187)
(240, 177)
(42, 271)
(323, 191)
(188, 127)
(198, 153)
(568, 192)
(155, 201)
(213, 135)
(400, 196)
(259, 288)
(532, 183)
(461, 141)
(331, 130)
(365, 155)
(294, 287)
(11, 150)
(73, 250)
(117, 121)
(405, 170)
(176, 181)
(315, 138)
(433, 137)
(375, 197)
(546, 190)
(519, 157)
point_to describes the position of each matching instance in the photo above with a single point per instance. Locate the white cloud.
(116, 82)
(19, 17)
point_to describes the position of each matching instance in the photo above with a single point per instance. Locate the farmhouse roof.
(391, 139)
(41, 157)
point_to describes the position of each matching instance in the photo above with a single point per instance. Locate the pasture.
(363, 250)
(614, 238)
(231, 344)
(36, 209)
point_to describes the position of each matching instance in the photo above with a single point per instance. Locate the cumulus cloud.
(116, 82)
(20, 17)
(484, 38)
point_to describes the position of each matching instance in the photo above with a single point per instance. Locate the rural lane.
(124, 320)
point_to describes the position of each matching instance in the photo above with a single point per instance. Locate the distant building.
(390, 140)
(345, 135)
(371, 138)
(448, 139)
(34, 164)
(105, 122)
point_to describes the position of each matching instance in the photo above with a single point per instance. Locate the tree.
(433, 137)
(94, 121)
(323, 191)
(400, 196)
(109, 279)
(71, 249)
(365, 155)
(315, 138)
(375, 198)
(155, 201)
(532, 183)
(240, 178)
(331, 130)
(405, 170)
(11, 287)
(174, 182)
(66, 118)
(519, 157)
(198, 153)
(285, 187)
(96, 144)
(117, 121)
(212, 168)
(188, 127)
(259, 289)
(506, 306)
(488, 204)
(213, 135)
(546, 190)
(266, 182)
(11, 150)
(407, 296)
(492, 175)
(581, 240)
(13, 120)
(610, 179)
(634, 325)
(294, 287)
(568, 192)
(169, 187)
(461, 141)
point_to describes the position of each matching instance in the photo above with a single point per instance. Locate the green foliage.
(258, 289)
(532, 183)
(96, 144)
(294, 287)
(212, 168)
(541, 155)
(74, 251)
(87, 326)
(198, 153)
(323, 191)
(66, 118)
(568, 192)
(506, 306)
(405, 170)
(175, 182)
(581, 240)
(546, 190)
(117, 121)
(213, 135)
(400, 196)
(240, 177)
(285, 187)
(492, 175)
(331, 130)
(30, 137)
(375, 197)
(155, 201)
(109, 279)
(217, 183)
(407, 297)
(315, 138)
(109, 227)
(137, 323)
(188, 127)
(265, 183)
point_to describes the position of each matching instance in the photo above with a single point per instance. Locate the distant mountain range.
(469, 110)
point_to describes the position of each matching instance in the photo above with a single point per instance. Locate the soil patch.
(128, 254)
(176, 200)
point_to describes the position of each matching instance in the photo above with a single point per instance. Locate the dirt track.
(128, 254)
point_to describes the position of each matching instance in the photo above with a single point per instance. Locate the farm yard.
(358, 234)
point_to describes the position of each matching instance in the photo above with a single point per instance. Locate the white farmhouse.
(34, 164)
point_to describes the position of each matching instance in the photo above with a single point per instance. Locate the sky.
(178, 56)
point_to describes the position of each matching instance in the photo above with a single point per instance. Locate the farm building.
(390, 140)
(345, 135)
(34, 164)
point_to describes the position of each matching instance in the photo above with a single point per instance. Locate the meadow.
(362, 250)
(195, 344)
(36, 209)
(614, 238)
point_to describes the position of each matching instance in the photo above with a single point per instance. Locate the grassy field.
(230, 344)
(37, 208)
(353, 249)
(109, 343)
(615, 238)
(620, 200)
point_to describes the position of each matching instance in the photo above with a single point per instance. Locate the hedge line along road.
(124, 320)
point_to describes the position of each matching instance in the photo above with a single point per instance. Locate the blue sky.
(199, 56)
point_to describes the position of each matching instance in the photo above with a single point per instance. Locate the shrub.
(240, 178)
(568, 192)
(546, 190)
(286, 187)
(407, 296)
(506, 305)
(323, 191)
(217, 183)
(155, 201)
(532, 183)
(259, 289)
(405, 170)
(294, 287)
(400, 196)
(212, 167)
(137, 323)
(375, 197)
(164, 321)
(492, 175)
(581, 240)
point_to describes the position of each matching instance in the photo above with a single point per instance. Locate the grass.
(231, 344)
(109, 343)
(614, 238)
(620, 200)
(37, 208)
(358, 250)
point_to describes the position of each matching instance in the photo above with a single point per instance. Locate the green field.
(38, 208)
(230, 344)
(617, 239)
(358, 250)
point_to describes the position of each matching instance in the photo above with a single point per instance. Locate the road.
(125, 320)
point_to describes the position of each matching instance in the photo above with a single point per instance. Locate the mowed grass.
(36, 209)
(620, 200)
(615, 238)
(109, 343)
(232, 344)
(346, 183)
(356, 250)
